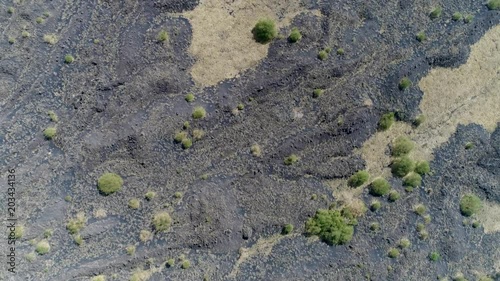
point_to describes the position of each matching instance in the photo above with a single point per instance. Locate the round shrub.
(393, 253)
(404, 243)
(186, 264)
(394, 195)
(318, 93)
(180, 136)
(69, 59)
(374, 226)
(50, 133)
(404, 83)
(375, 205)
(189, 97)
(162, 221)
(421, 37)
(187, 143)
(150, 195)
(322, 55)
(386, 121)
(162, 36)
(295, 35)
(468, 18)
(358, 179)
(287, 229)
(493, 5)
(199, 112)
(436, 13)
(412, 179)
(456, 16)
(109, 183)
(379, 187)
(402, 146)
(422, 168)
(264, 31)
(42, 247)
(291, 159)
(130, 250)
(134, 203)
(434, 256)
(331, 227)
(402, 166)
(419, 120)
(470, 204)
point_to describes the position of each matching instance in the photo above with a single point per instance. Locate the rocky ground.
(121, 101)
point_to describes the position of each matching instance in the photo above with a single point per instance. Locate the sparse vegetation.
(109, 183)
(404, 83)
(287, 229)
(198, 134)
(393, 253)
(50, 38)
(404, 243)
(180, 136)
(322, 55)
(186, 125)
(48, 233)
(19, 232)
(185, 264)
(375, 205)
(436, 13)
(134, 203)
(189, 97)
(99, 278)
(493, 4)
(470, 204)
(295, 35)
(374, 226)
(476, 224)
(422, 168)
(340, 51)
(434, 256)
(162, 221)
(456, 16)
(402, 146)
(400, 167)
(292, 159)
(256, 150)
(427, 218)
(130, 250)
(394, 195)
(199, 112)
(39, 20)
(421, 37)
(11, 10)
(240, 106)
(318, 93)
(76, 224)
(150, 195)
(69, 59)
(12, 40)
(386, 121)
(50, 133)
(42, 247)
(170, 262)
(419, 209)
(412, 179)
(419, 120)
(145, 235)
(468, 18)
(30, 257)
(469, 145)
(162, 36)
(331, 227)
(358, 179)
(264, 31)
(78, 239)
(25, 34)
(187, 143)
(379, 187)
(53, 116)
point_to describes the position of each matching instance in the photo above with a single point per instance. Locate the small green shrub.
(404, 83)
(109, 183)
(470, 204)
(78, 239)
(199, 112)
(50, 39)
(412, 179)
(256, 150)
(130, 250)
(292, 159)
(375, 205)
(419, 120)
(68, 198)
(358, 179)
(422, 168)
(39, 20)
(180, 136)
(187, 143)
(186, 125)
(404, 243)
(318, 93)
(145, 235)
(240, 106)
(456, 16)
(476, 224)
(162, 221)
(468, 18)
(42, 247)
(76, 224)
(322, 55)
(198, 134)
(340, 51)
(393, 253)
(421, 37)
(314, 197)
(11, 10)
(485, 278)
(98, 278)
(150, 195)
(423, 234)
(419, 209)
(295, 35)
(493, 5)
(19, 232)
(50, 133)
(328, 50)
(331, 227)
(178, 195)
(394, 196)
(170, 262)
(189, 97)
(400, 167)
(427, 218)
(162, 36)
(186, 264)
(436, 13)
(134, 203)
(30, 257)
(379, 187)
(287, 229)
(374, 226)
(420, 227)
(48, 233)
(434, 256)
(69, 59)
(469, 145)
(264, 31)
(53, 116)
(25, 34)
(402, 146)
(386, 121)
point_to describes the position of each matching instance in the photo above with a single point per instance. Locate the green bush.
(379, 187)
(456, 16)
(375, 205)
(189, 97)
(331, 227)
(358, 179)
(394, 195)
(469, 145)
(386, 121)
(318, 93)
(470, 204)
(185, 264)
(419, 120)
(419, 209)
(493, 4)
(412, 179)
(322, 55)
(180, 136)
(400, 167)
(404, 83)
(264, 31)
(50, 133)
(69, 59)
(340, 51)
(436, 13)
(109, 183)
(75, 225)
(162, 36)
(162, 221)
(53, 116)
(98, 278)
(42, 247)
(186, 125)
(421, 36)
(393, 253)
(11, 10)
(178, 195)
(199, 112)
(374, 226)
(25, 34)
(240, 106)
(39, 20)
(468, 18)
(404, 243)
(170, 262)
(130, 250)
(401, 146)
(292, 159)
(422, 168)
(287, 229)
(150, 195)
(187, 143)
(295, 35)
(434, 256)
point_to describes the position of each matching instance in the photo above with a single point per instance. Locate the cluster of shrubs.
(333, 227)
(402, 166)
